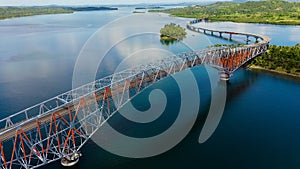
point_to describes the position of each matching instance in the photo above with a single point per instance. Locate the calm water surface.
(260, 125)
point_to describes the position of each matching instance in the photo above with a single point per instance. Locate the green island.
(280, 59)
(138, 12)
(13, 12)
(268, 12)
(172, 32)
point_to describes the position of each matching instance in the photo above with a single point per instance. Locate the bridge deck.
(265, 39)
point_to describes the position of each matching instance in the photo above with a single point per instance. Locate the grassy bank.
(253, 67)
(269, 12)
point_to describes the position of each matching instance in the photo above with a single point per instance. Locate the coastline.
(253, 67)
(275, 12)
(243, 20)
(14, 12)
(14, 17)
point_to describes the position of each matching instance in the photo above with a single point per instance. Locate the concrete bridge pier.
(220, 34)
(224, 76)
(247, 40)
(230, 36)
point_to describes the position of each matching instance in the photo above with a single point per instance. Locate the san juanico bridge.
(58, 128)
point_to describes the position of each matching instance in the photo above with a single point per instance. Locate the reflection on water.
(38, 53)
(240, 82)
(168, 42)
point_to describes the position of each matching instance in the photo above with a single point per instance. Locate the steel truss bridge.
(57, 128)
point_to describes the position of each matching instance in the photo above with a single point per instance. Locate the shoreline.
(235, 21)
(15, 17)
(278, 12)
(13, 12)
(253, 67)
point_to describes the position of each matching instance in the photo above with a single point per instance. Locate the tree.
(172, 31)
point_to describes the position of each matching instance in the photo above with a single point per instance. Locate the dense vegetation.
(11, 12)
(280, 58)
(138, 12)
(269, 11)
(172, 31)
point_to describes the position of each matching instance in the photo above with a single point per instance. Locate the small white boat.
(70, 161)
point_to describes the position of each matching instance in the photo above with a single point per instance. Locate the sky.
(88, 2)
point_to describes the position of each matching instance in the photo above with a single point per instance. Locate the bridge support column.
(220, 34)
(212, 33)
(247, 40)
(224, 76)
(230, 36)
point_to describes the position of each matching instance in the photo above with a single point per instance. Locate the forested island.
(269, 12)
(89, 8)
(149, 7)
(281, 59)
(172, 32)
(12, 12)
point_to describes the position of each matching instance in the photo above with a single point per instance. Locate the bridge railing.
(63, 100)
(94, 103)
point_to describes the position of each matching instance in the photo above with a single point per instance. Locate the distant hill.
(269, 11)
